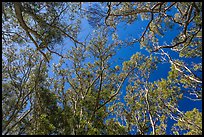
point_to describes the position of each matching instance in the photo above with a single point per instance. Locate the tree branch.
(17, 7)
(120, 86)
(150, 115)
(178, 69)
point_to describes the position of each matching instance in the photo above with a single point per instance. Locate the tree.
(56, 83)
(188, 123)
(187, 44)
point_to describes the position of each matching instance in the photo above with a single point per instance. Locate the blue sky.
(162, 72)
(134, 29)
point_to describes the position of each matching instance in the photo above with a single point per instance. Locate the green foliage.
(85, 91)
(190, 122)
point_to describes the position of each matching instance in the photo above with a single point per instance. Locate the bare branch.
(178, 69)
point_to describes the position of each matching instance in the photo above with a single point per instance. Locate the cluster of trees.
(81, 93)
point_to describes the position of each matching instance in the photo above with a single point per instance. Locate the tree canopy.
(59, 80)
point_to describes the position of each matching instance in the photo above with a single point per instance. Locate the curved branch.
(17, 7)
(152, 18)
(178, 69)
(116, 93)
(18, 11)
